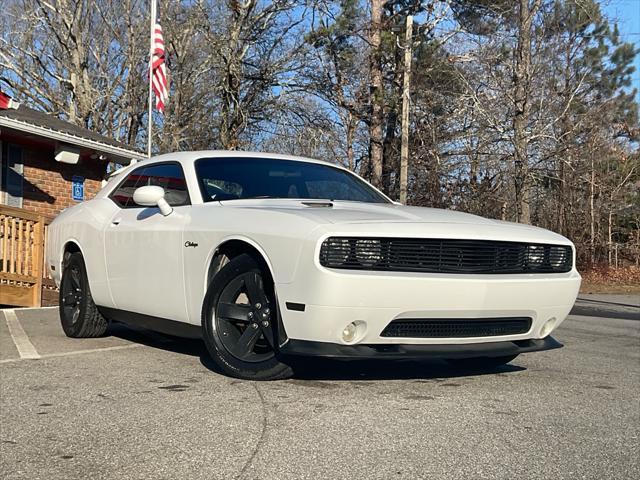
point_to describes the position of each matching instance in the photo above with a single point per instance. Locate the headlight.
(558, 256)
(341, 249)
(535, 255)
(368, 252)
(335, 251)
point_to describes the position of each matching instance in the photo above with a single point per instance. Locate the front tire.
(481, 363)
(238, 318)
(79, 316)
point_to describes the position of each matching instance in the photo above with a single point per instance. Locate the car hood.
(338, 212)
(367, 219)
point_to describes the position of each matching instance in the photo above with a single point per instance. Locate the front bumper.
(416, 352)
(330, 300)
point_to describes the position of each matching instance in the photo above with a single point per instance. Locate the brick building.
(49, 164)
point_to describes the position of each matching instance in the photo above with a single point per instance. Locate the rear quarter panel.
(83, 225)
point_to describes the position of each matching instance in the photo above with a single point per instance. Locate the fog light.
(349, 332)
(547, 327)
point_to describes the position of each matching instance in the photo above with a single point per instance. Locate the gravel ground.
(141, 405)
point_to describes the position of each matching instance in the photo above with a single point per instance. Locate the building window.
(12, 175)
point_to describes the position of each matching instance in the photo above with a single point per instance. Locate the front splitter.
(411, 351)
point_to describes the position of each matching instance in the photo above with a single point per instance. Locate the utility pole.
(404, 149)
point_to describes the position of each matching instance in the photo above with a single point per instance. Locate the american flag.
(159, 68)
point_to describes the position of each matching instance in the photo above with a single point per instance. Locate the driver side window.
(169, 176)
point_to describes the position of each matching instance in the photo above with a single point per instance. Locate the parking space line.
(25, 348)
(74, 352)
(22, 309)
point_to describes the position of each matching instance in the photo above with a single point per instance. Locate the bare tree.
(522, 102)
(334, 72)
(376, 94)
(259, 51)
(78, 60)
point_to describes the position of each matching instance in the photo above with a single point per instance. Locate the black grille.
(444, 256)
(457, 327)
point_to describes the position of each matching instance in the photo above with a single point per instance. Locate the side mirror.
(152, 196)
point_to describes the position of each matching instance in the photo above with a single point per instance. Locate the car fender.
(242, 238)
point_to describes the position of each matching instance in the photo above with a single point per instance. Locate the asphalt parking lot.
(140, 405)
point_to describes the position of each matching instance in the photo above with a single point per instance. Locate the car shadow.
(327, 369)
(149, 338)
(317, 369)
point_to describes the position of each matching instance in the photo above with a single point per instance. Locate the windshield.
(240, 178)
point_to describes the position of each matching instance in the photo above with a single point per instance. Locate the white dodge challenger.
(267, 257)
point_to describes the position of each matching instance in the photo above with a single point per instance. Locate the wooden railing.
(22, 246)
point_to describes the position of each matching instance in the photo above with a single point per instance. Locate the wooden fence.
(24, 280)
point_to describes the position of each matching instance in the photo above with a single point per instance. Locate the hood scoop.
(318, 204)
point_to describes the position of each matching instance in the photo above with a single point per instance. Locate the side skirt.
(162, 325)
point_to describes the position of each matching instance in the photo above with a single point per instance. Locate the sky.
(627, 13)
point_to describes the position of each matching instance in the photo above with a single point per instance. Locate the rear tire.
(238, 316)
(481, 363)
(79, 316)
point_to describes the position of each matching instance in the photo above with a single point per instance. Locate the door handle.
(115, 221)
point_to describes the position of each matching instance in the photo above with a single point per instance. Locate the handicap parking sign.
(77, 188)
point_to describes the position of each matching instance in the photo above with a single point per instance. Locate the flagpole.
(150, 106)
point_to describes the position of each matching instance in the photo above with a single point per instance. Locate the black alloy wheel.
(240, 321)
(79, 315)
(71, 295)
(243, 319)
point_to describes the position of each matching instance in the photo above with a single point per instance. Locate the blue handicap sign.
(77, 188)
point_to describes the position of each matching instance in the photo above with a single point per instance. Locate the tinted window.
(167, 175)
(238, 178)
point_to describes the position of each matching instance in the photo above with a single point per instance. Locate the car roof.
(187, 157)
